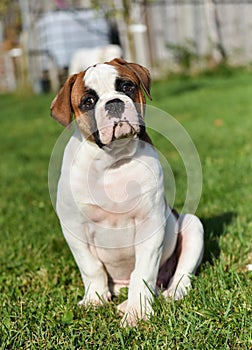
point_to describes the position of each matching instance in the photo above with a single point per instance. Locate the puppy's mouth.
(119, 130)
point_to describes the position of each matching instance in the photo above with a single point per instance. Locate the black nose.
(115, 107)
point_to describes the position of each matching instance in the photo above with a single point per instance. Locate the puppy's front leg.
(92, 271)
(142, 285)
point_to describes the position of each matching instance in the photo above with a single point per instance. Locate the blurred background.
(41, 42)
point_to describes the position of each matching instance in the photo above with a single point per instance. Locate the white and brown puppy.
(110, 198)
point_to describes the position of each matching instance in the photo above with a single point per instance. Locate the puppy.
(110, 199)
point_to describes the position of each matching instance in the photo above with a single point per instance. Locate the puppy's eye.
(128, 88)
(88, 103)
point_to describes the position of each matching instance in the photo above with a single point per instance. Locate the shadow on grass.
(215, 227)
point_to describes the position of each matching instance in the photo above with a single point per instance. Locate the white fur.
(101, 86)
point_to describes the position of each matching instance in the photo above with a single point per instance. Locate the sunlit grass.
(40, 283)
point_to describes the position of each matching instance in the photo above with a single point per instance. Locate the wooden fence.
(171, 32)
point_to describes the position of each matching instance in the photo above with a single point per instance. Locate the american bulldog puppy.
(110, 198)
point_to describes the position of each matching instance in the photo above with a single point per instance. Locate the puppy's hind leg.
(190, 252)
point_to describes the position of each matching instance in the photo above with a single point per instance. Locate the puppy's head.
(107, 101)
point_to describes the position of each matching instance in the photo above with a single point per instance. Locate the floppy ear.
(141, 72)
(61, 108)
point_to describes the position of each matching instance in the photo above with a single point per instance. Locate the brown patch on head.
(137, 73)
(67, 102)
(141, 77)
(84, 119)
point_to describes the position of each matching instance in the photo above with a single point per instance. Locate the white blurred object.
(83, 58)
(249, 267)
(16, 52)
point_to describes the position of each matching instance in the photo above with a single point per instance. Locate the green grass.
(40, 283)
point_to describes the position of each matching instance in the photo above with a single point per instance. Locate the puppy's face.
(107, 101)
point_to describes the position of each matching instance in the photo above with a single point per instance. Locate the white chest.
(124, 190)
(113, 194)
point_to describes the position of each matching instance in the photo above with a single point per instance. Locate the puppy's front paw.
(178, 287)
(134, 313)
(131, 317)
(95, 299)
(121, 308)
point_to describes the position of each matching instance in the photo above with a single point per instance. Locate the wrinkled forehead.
(101, 78)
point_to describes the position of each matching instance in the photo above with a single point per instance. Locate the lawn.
(40, 283)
